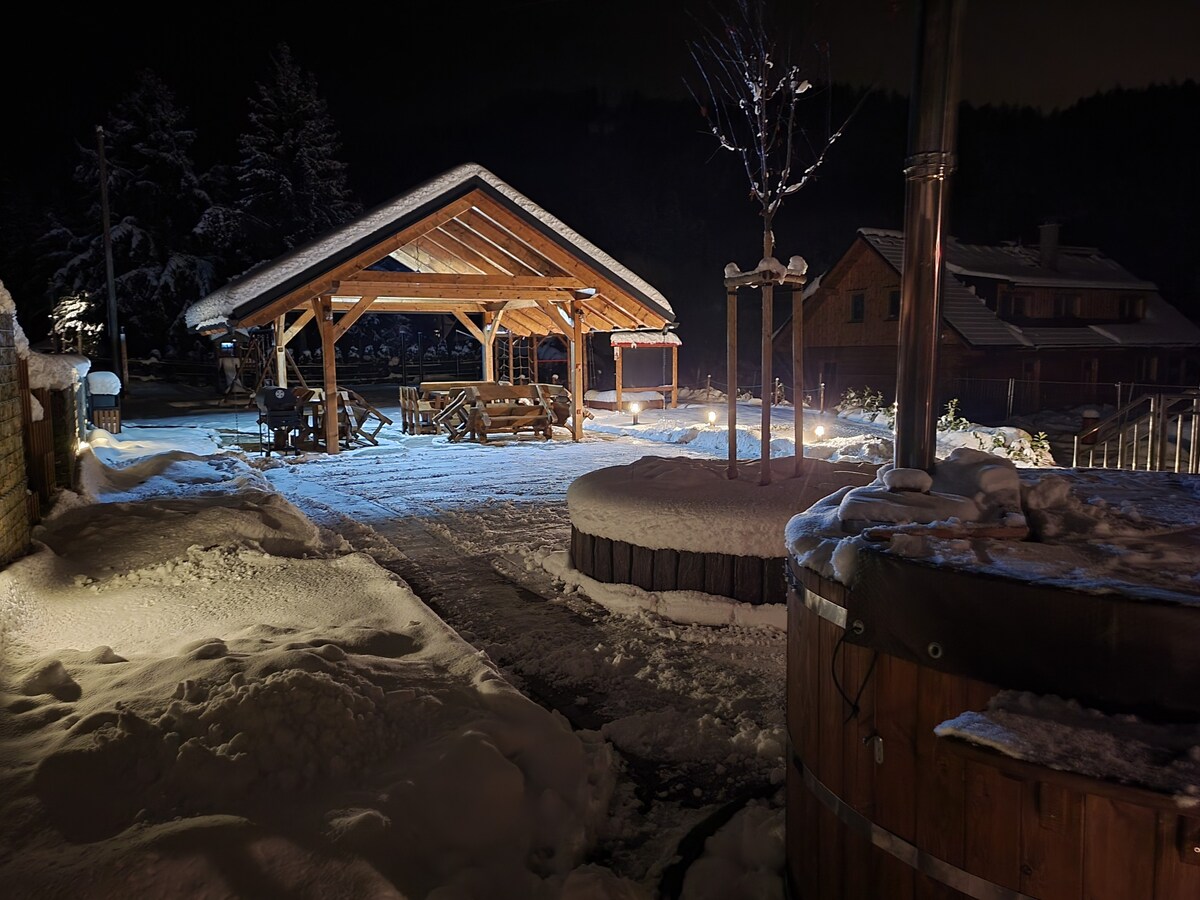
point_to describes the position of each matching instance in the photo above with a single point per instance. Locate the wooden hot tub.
(879, 808)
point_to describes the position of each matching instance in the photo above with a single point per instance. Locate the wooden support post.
(674, 376)
(798, 375)
(620, 375)
(768, 388)
(281, 371)
(731, 375)
(576, 371)
(324, 310)
(534, 340)
(489, 368)
(512, 368)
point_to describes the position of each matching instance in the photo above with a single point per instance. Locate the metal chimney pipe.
(933, 114)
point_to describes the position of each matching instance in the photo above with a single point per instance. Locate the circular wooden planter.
(879, 807)
(750, 579)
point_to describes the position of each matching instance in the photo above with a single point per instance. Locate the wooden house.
(1023, 327)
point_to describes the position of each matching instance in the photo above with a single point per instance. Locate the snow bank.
(196, 671)
(626, 396)
(1014, 444)
(744, 860)
(58, 371)
(36, 412)
(104, 383)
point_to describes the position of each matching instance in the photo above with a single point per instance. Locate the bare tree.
(750, 96)
(749, 93)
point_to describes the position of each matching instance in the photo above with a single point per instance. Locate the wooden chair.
(363, 420)
(417, 413)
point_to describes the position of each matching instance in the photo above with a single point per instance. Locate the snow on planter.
(106, 383)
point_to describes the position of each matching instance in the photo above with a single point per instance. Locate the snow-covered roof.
(1078, 267)
(644, 339)
(318, 257)
(966, 312)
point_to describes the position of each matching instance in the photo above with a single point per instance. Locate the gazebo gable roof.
(473, 244)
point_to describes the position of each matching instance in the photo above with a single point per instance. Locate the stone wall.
(14, 510)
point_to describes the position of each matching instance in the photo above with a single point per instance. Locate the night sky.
(389, 71)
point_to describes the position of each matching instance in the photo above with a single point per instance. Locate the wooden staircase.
(1157, 432)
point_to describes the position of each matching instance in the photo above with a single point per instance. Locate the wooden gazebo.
(476, 249)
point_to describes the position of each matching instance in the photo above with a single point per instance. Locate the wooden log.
(718, 574)
(1175, 877)
(622, 562)
(666, 569)
(1119, 846)
(691, 571)
(941, 810)
(584, 562)
(1051, 842)
(602, 559)
(774, 581)
(748, 579)
(992, 839)
(642, 568)
(830, 712)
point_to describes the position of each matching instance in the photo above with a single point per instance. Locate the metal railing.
(1138, 436)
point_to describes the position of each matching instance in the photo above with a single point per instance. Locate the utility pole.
(114, 334)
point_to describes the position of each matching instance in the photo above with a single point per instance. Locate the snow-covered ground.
(210, 688)
(371, 675)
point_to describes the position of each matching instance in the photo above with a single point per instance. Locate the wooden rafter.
(324, 283)
(484, 227)
(447, 292)
(468, 253)
(488, 251)
(448, 262)
(564, 260)
(475, 331)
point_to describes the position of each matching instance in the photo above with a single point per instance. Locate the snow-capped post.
(114, 339)
(749, 99)
(731, 371)
(927, 175)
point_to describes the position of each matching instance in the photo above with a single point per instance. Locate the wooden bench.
(510, 408)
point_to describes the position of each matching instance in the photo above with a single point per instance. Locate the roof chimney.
(1048, 245)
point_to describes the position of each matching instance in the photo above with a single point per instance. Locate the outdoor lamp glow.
(712, 417)
(635, 408)
(819, 431)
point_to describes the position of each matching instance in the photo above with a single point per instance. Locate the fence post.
(1012, 386)
(822, 397)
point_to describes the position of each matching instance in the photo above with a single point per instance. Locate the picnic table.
(478, 409)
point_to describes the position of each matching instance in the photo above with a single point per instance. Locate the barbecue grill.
(279, 420)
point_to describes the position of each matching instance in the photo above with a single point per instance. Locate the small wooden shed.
(475, 249)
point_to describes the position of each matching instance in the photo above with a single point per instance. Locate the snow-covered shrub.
(867, 400)
(951, 420)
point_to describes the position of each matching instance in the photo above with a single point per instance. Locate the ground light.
(819, 431)
(635, 408)
(712, 417)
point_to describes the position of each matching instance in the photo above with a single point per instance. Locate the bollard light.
(712, 417)
(635, 408)
(819, 431)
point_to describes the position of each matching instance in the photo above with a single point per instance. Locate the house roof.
(471, 242)
(1078, 267)
(961, 308)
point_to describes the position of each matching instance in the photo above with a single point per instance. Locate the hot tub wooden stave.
(878, 807)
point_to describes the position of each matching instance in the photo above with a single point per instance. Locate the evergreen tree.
(291, 185)
(162, 259)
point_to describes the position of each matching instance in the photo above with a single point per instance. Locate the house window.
(1131, 308)
(1012, 306)
(858, 306)
(1064, 306)
(894, 305)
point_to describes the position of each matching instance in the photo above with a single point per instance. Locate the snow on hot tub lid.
(691, 505)
(633, 339)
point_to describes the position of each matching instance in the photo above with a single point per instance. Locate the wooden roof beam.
(468, 253)
(566, 261)
(322, 284)
(537, 282)
(503, 238)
